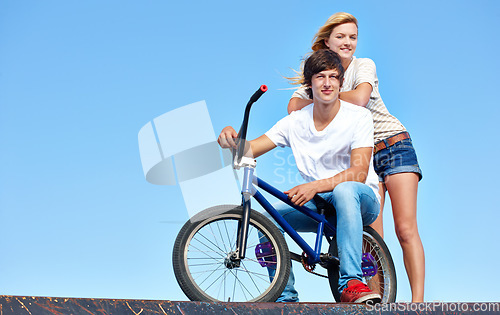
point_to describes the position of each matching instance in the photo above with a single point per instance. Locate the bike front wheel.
(383, 278)
(204, 258)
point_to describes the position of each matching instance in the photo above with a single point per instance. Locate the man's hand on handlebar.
(227, 138)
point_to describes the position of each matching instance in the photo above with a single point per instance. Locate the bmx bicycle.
(232, 253)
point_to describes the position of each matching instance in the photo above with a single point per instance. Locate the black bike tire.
(386, 267)
(219, 213)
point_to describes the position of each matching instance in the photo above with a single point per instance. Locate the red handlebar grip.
(258, 93)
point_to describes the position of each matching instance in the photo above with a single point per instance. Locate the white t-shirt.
(363, 70)
(323, 154)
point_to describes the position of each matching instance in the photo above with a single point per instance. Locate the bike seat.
(323, 206)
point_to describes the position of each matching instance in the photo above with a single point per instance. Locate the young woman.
(394, 158)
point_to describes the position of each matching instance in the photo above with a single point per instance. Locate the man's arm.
(358, 171)
(257, 147)
(261, 145)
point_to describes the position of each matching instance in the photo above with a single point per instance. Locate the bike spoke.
(207, 288)
(259, 275)
(221, 237)
(211, 273)
(210, 241)
(237, 280)
(205, 252)
(231, 243)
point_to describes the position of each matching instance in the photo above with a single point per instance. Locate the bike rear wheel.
(205, 270)
(384, 281)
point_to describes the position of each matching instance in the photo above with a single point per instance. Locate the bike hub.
(232, 261)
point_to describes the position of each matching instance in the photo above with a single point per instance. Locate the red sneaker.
(358, 292)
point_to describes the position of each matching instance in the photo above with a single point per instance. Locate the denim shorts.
(398, 158)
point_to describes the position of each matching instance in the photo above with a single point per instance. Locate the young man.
(332, 142)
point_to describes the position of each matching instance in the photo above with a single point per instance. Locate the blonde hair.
(321, 36)
(325, 31)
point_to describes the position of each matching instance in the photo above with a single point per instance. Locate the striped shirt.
(359, 71)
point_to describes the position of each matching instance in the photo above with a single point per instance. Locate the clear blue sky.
(78, 79)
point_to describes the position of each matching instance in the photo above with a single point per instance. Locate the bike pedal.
(368, 265)
(328, 261)
(266, 256)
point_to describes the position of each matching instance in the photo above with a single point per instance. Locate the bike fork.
(241, 243)
(246, 191)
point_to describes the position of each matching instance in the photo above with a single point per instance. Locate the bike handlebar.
(242, 134)
(258, 93)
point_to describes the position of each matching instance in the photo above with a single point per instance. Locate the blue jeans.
(356, 205)
(398, 158)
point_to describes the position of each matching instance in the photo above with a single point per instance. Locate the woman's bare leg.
(402, 188)
(378, 225)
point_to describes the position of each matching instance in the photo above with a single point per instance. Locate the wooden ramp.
(51, 305)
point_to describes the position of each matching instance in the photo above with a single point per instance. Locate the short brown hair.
(321, 60)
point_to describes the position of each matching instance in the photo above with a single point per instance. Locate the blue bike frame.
(248, 188)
